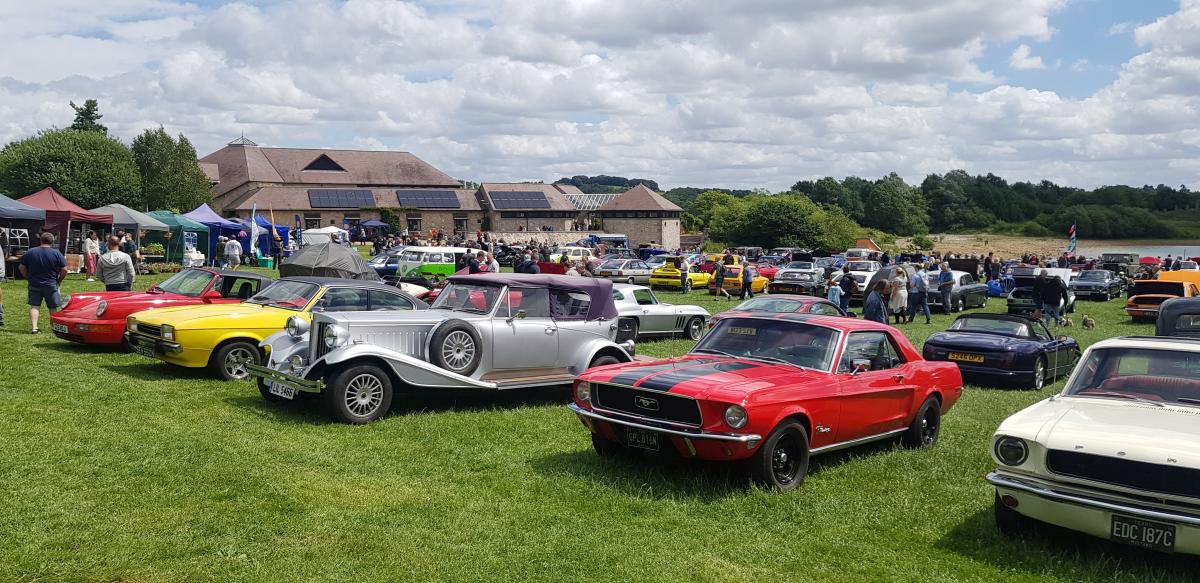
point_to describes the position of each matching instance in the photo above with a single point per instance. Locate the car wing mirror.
(520, 315)
(211, 294)
(859, 365)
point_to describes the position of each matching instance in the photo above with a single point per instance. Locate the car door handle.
(550, 330)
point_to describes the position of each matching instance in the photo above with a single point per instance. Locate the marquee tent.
(216, 226)
(11, 210)
(123, 216)
(19, 224)
(322, 235)
(61, 213)
(181, 230)
(266, 243)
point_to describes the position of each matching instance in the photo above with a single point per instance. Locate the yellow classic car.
(669, 274)
(733, 280)
(225, 337)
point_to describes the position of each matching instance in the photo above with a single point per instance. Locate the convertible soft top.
(598, 290)
(1024, 319)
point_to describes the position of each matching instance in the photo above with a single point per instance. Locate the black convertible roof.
(1005, 317)
(598, 290)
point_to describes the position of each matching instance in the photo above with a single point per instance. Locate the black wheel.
(610, 449)
(603, 361)
(229, 361)
(926, 427)
(1104, 297)
(455, 346)
(1039, 374)
(781, 462)
(358, 394)
(983, 302)
(695, 328)
(1008, 521)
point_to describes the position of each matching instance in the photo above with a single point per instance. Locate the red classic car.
(767, 270)
(771, 389)
(99, 317)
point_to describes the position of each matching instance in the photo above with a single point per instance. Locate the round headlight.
(296, 363)
(583, 392)
(296, 327)
(131, 325)
(101, 308)
(1011, 451)
(735, 416)
(334, 336)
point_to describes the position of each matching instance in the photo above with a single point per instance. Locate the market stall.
(69, 222)
(184, 242)
(139, 224)
(271, 244)
(19, 225)
(217, 226)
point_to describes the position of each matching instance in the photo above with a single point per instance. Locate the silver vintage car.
(484, 331)
(642, 315)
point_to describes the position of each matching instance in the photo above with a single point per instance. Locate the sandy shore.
(1006, 246)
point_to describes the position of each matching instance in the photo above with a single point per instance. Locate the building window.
(461, 222)
(512, 215)
(414, 222)
(352, 220)
(312, 220)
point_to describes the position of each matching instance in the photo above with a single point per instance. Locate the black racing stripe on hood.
(668, 380)
(631, 377)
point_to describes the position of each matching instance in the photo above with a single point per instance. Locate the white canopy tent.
(322, 235)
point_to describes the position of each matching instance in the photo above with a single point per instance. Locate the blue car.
(1004, 348)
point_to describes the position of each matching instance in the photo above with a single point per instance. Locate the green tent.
(181, 229)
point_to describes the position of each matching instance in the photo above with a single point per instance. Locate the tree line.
(92, 169)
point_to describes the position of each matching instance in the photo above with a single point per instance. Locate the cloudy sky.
(754, 93)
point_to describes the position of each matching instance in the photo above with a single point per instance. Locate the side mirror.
(210, 295)
(520, 315)
(859, 365)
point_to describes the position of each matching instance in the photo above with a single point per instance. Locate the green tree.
(171, 177)
(895, 207)
(89, 168)
(87, 118)
(707, 203)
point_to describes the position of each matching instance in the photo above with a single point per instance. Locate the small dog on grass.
(1067, 322)
(1088, 322)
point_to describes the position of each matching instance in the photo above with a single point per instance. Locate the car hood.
(208, 317)
(129, 302)
(395, 318)
(729, 380)
(975, 340)
(1115, 428)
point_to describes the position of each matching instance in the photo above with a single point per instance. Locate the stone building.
(338, 187)
(527, 207)
(644, 216)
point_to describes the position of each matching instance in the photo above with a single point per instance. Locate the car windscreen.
(861, 266)
(799, 265)
(189, 282)
(1093, 275)
(1158, 375)
(992, 326)
(768, 304)
(1148, 286)
(465, 297)
(796, 343)
(293, 295)
(413, 256)
(378, 260)
(613, 264)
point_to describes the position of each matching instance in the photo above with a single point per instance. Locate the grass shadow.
(307, 410)
(654, 476)
(434, 401)
(158, 371)
(1072, 553)
(75, 348)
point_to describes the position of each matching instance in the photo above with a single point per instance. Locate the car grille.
(1159, 478)
(148, 330)
(317, 339)
(1149, 301)
(649, 404)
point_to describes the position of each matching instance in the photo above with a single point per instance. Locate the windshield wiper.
(1120, 396)
(715, 351)
(779, 361)
(1188, 400)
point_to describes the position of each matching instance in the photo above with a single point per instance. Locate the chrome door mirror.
(520, 315)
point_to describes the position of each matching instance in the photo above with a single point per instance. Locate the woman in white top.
(898, 302)
(91, 252)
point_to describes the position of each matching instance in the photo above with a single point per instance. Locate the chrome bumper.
(287, 380)
(1128, 509)
(155, 344)
(750, 439)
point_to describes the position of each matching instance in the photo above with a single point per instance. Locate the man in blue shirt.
(918, 299)
(44, 267)
(945, 286)
(873, 307)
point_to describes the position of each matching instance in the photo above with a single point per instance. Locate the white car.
(1116, 455)
(643, 315)
(573, 254)
(626, 270)
(861, 270)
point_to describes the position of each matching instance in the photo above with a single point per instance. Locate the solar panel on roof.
(428, 199)
(340, 198)
(519, 199)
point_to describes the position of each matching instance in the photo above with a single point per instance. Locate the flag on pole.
(254, 229)
(1071, 245)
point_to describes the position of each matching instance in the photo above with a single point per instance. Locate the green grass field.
(118, 468)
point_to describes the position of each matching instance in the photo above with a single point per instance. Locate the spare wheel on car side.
(455, 346)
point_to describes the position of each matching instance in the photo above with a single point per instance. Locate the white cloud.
(752, 94)
(1022, 60)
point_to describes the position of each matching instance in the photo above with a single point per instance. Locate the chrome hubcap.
(694, 329)
(364, 394)
(458, 350)
(235, 362)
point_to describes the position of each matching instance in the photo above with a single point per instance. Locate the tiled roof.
(211, 171)
(640, 198)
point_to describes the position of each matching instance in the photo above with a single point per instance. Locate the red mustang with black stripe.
(771, 390)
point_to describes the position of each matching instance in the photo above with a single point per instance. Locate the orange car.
(1148, 294)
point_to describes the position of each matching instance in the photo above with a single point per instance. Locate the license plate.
(963, 357)
(605, 273)
(143, 349)
(281, 391)
(59, 328)
(641, 439)
(1155, 536)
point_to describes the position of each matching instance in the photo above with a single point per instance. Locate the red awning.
(62, 209)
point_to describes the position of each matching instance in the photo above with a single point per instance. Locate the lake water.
(1150, 248)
